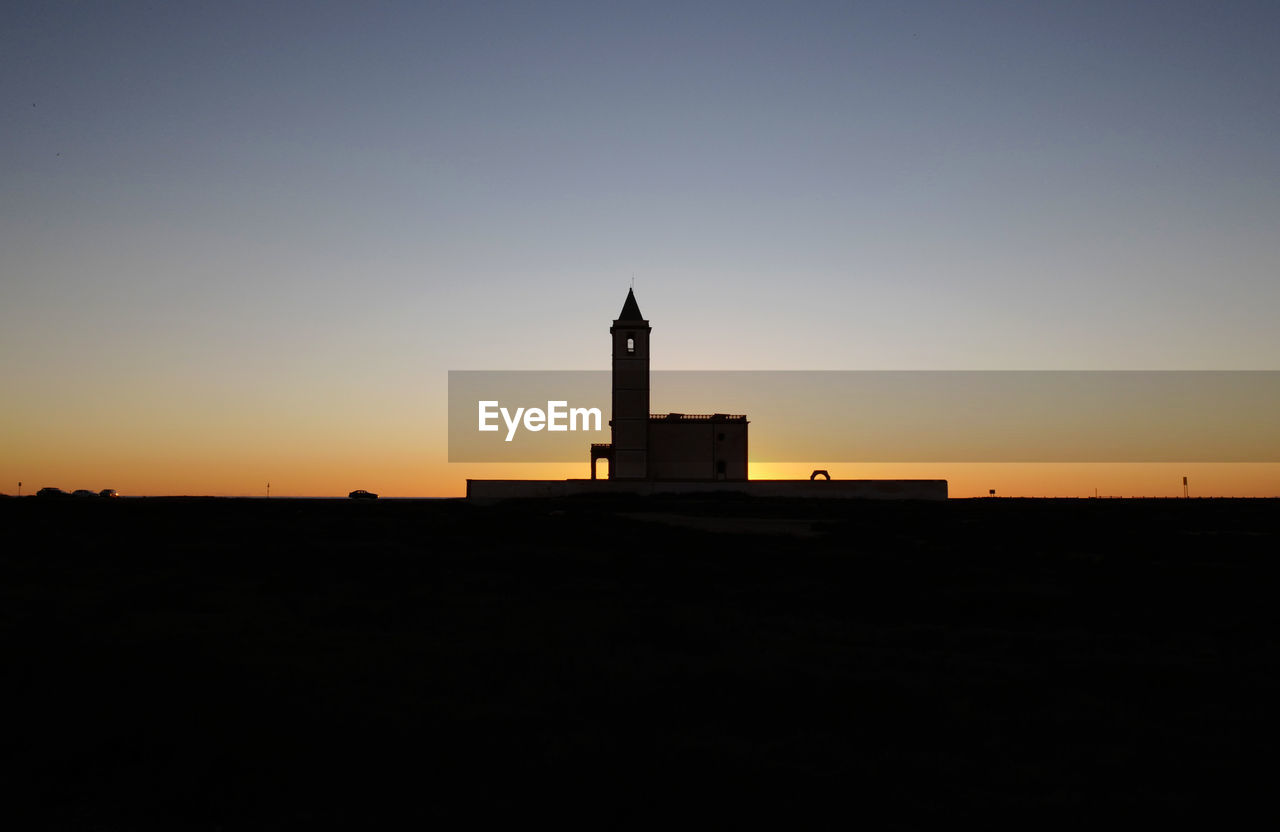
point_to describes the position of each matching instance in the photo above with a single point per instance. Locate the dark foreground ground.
(267, 663)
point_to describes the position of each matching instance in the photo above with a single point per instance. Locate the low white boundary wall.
(490, 491)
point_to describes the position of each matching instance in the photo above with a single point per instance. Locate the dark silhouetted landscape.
(235, 663)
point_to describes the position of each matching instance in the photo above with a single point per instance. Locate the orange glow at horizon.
(1067, 479)
(188, 451)
(391, 474)
(395, 446)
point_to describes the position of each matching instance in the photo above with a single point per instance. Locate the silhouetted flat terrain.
(256, 663)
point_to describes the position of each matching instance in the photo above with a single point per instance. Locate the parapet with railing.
(696, 417)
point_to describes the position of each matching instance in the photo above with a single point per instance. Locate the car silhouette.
(361, 494)
(51, 492)
(108, 492)
(83, 492)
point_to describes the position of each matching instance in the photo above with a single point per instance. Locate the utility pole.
(19, 488)
(268, 489)
(1186, 491)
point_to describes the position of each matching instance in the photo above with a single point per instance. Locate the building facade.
(667, 446)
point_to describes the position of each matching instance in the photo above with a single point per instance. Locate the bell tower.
(630, 422)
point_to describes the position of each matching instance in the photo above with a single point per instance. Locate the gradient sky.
(244, 242)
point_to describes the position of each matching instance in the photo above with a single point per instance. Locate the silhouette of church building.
(680, 453)
(662, 446)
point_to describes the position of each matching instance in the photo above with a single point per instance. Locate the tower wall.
(630, 422)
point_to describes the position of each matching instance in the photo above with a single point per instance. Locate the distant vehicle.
(83, 492)
(108, 492)
(51, 492)
(361, 494)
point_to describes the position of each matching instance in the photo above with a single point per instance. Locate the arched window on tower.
(631, 344)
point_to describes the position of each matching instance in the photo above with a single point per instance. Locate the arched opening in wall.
(631, 345)
(600, 451)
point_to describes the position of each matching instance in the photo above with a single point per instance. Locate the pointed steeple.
(630, 309)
